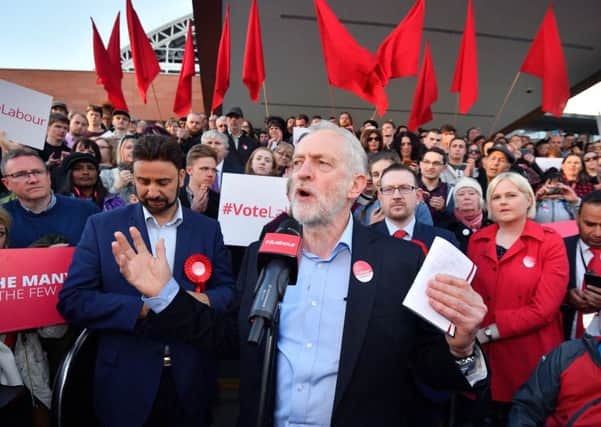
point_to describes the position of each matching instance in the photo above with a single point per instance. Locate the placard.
(247, 203)
(30, 281)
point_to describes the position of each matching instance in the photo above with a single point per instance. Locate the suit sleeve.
(223, 292)
(550, 291)
(83, 301)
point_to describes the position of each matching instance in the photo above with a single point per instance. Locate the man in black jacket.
(241, 145)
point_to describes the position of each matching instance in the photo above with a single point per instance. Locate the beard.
(321, 210)
(159, 204)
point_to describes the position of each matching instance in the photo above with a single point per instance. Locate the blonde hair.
(520, 182)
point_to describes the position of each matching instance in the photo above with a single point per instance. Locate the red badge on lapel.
(363, 271)
(198, 269)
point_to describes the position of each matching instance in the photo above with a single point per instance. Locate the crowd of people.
(487, 195)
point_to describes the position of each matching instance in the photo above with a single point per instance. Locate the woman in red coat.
(522, 277)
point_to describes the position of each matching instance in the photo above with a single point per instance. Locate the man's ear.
(182, 177)
(358, 185)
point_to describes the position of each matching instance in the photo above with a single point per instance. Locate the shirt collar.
(345, 242)
(409, 228)
(176, 220)
(50, 205)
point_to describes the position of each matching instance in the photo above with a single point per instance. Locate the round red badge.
(198, 269)
(363, 271)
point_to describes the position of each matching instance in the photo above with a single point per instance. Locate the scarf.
(473, 222)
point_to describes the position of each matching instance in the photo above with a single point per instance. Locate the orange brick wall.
(78, 89)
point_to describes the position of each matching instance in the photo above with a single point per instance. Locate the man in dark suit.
(398, 196)
(583, 250)
(145, 376)
(346, 345)
(240, 145)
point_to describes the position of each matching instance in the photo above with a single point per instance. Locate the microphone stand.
(267, 375)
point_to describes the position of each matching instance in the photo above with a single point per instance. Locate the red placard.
(30, 280)
(564, 228)
(281, 244)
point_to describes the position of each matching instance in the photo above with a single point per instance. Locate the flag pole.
(265, 99)
(456, 112)
(373, 116)
(332, 102)
(156, 101)
(498, 115)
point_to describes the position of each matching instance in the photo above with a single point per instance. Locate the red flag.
(545, 60)
(114, 47)
(349, 65)
(183, 95)
(466, 70)
(253, 68)
(222, 75)
(146, 65)
(426, 93)
(107, 72)
(398, 55)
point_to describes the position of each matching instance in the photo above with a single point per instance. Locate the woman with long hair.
(120, 179)
(260, 162)
(572, 174)
(371, 140)
(83, 182)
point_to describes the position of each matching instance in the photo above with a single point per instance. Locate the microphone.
(278, 263)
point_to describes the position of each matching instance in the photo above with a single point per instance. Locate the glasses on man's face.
(373, 138)
(402, 189)
(23, 175)
(474, 152)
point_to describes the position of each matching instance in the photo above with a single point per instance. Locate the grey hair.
(355, 154)
(16, 153)
(214, 134)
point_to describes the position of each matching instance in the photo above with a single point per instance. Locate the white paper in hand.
(445, 258)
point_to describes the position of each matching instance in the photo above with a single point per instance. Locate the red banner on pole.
(29, 290)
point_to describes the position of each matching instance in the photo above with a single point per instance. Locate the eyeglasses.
(588, 159)
(373, 138)
(402, 189)
(474, 151)
(23, 175)
(213, 143)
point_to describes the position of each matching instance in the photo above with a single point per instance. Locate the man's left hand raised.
(455, 299)
(146, 273)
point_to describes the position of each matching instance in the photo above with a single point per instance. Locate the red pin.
(363, 271)
(198, 269)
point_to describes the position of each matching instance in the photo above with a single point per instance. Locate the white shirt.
(408, 228)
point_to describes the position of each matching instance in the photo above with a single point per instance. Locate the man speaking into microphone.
(346, 344)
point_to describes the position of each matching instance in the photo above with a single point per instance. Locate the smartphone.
(591, 279)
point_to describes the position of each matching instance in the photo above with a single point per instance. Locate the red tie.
(400, 234)
(594, 265)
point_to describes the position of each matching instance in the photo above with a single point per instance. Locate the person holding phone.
(555, 201)
(583, 299)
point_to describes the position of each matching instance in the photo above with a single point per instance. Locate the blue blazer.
(422, 232)
(130, 352)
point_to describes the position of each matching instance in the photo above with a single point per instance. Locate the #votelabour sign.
(24, 114)
(247, 203)
(30, 280)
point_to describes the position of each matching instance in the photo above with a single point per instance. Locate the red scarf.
(473, 222)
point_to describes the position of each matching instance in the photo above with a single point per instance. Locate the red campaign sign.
(564, 228)
(281, 244)
(30, 280)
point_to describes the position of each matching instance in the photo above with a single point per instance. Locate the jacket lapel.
(182, 249)
(136, 219)
(358, 309)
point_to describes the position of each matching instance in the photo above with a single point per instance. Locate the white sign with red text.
(247, 203)
(24, 114)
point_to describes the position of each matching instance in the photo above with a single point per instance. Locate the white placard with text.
(24, 114)
(247, 203)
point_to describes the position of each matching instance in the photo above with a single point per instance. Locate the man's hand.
(577, 300)
(592, 294)
(146, 273)
(455, 299)
(202, 298)
(437, 202)
(200, 199)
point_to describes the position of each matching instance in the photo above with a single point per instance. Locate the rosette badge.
(198, 269)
